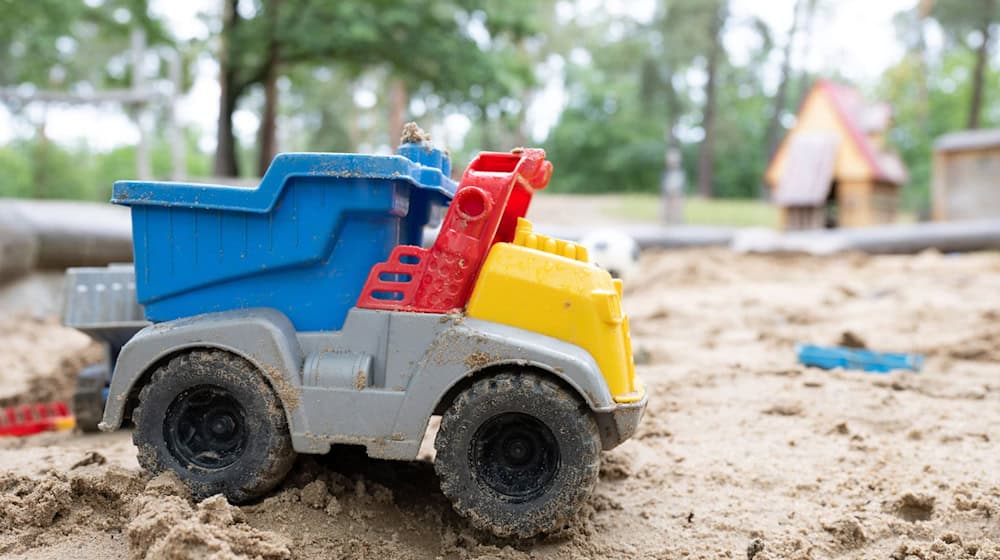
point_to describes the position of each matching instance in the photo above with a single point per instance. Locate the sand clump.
(166, 525)
(742, 452)
(39, 510)
(948, 546)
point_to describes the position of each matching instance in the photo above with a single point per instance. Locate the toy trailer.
(304, 313)
(101, 302)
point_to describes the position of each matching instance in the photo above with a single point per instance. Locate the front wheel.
(210, 417)
(517, 454)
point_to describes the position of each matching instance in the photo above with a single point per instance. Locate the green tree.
(611, 136)
(971, 23)
(706, 155)
(780, 102)
(918, 121)
(60, 46)
(419, 42)
(603, 143)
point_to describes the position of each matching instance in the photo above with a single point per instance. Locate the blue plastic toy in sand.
(303, 241)
(830, 357)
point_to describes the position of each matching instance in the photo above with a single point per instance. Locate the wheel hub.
(205, 426)
(516, 455)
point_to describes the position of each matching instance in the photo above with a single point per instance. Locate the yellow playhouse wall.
(854, 208)
(866, 203)
(885, 203)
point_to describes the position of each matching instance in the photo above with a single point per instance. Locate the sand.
(743, 453)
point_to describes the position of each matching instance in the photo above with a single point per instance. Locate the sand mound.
(40, 359)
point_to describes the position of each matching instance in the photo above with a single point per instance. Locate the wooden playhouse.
(967, 175)
(832, 169)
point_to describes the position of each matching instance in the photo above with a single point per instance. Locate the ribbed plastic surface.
(31, 419)
(301, 242)
(102, 302)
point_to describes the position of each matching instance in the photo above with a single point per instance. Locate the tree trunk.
(804, 79)
(485, 134)
(920, 53)
(522, 136)
(354, 129)
(781, 95)
(267, 134)
(267, 140)
(226, 164)
(40, 163)
(706, 157)
(143, 156)
(399, 100)
(982, 56)
(674, 114)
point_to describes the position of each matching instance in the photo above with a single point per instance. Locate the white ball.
(613, 251)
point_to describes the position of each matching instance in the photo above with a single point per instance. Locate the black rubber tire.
(263, 451)
(88, 398)
(476, 494)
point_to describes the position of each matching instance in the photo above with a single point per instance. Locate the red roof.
(854, 111)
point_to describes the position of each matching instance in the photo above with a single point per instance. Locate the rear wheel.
(212, 418)
(88, 398)
(517, 454)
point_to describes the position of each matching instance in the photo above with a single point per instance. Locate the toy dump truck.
(304, 313)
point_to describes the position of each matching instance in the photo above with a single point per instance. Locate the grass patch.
(697, 211)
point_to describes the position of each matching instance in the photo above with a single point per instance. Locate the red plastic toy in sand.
(31, 419)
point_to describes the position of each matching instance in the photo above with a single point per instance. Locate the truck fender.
(471, 347)
(263, 336)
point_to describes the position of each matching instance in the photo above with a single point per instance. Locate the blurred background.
(631, 97)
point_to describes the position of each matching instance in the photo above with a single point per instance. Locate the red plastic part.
(31, 418)
(495, 191)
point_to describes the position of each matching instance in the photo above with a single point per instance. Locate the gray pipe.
(947, 237)
(55, 234)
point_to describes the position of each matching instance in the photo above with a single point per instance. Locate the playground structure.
(966, 167)
(136, 100)
(833, 169)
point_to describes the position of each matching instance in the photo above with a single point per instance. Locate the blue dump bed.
(301, 242)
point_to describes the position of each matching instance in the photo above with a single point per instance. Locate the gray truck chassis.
(374, 383)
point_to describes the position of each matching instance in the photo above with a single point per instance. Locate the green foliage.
(62, 43)
(634, 95)
(960, 18)
(916, 125)
(40, 169)
(602, 147)
(739, 165)
(466, 52)
(16, 181)
(741, 131)
(28, 48)
(422, 42)
(700, 211)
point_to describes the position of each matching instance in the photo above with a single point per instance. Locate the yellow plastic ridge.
(525, 237)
